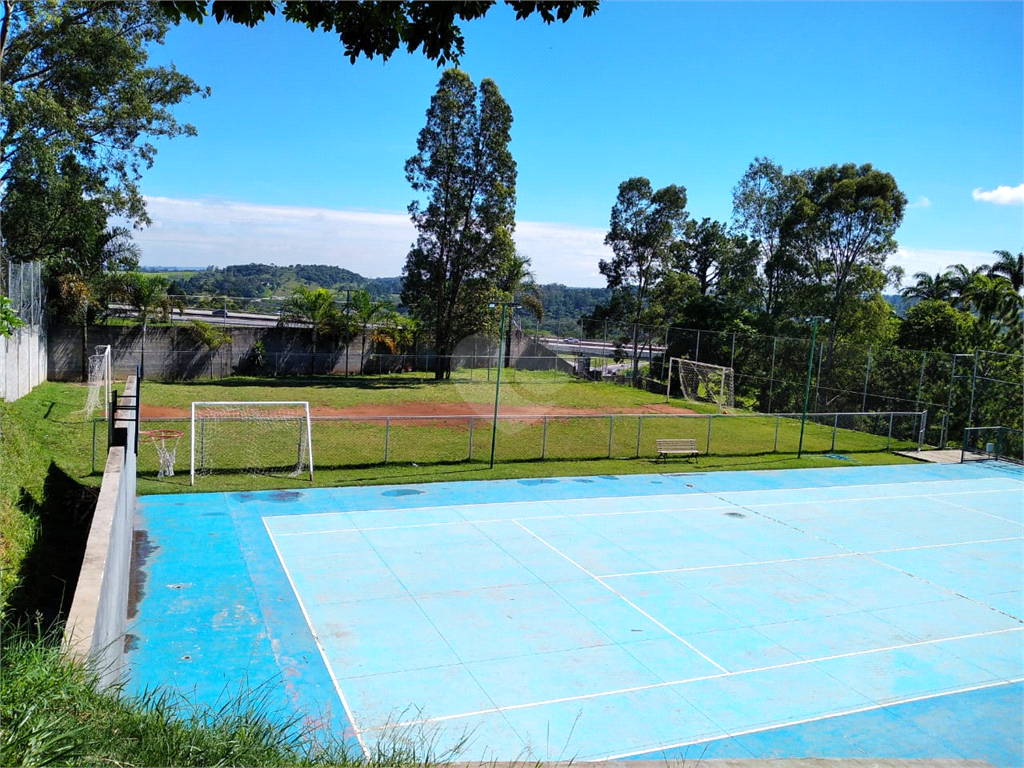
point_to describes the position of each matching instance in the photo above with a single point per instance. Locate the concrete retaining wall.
(23, 361)
(96, 625)
(171, 353)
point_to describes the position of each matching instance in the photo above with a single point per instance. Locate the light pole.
(497, 387)
(810, 367)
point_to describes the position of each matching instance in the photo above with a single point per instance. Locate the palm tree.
(367, 310)
(315, 308)
(147, 295)
(929, 287)
(959, 278)
(1009, 266)
(516, 282)
(995, 303)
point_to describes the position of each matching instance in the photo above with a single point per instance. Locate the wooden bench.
(683, 446)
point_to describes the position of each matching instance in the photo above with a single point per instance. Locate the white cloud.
(921, 202)
(934, 262)
(1001, 195)
(200, 233)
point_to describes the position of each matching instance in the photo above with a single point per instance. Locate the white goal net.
(100, 381)
(263, 438)
(702, 382)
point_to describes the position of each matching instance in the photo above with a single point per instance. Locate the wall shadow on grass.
(49, 572)
(335, 381)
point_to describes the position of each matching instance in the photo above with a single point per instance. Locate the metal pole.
(696, 354)
(974, 381)
(387, 438)
(544, 441)
(775, 448)
(949, 403)
(771, 376)
(497, 387)
(835, 428)
(888, 441)
(707, 452)
(348, 343)
(470, 439)
(807, 389)
(94, 445)
(639, 431)
(920, 381)
(732, 357)
(611, 433)
(867, 373)
(817, 382)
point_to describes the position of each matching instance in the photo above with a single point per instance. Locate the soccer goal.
(261, 438)
(702, 382)
(100, 381)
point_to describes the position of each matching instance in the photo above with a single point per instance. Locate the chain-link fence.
(23, 356)
(995, 443)
(356, 442)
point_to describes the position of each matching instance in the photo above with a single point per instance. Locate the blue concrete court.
(852, 612)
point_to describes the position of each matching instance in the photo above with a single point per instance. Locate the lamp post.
(497, 387)
(810, 367)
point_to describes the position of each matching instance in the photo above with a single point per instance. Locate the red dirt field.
(443, 409)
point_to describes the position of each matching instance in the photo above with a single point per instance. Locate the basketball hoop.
(160, 438)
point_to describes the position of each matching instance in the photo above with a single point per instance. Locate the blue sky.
(300, 154)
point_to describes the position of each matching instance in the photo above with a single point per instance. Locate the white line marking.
(855, 711)
(669, 683)
(323, 653)
(978, 511)
(485, 521)
(694, 494)
(810, 558)
(621, 596)
(673, 510)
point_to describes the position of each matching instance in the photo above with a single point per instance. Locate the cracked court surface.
(850, 612)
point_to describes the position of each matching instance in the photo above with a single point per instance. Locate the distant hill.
(899, 304)
(265, 280)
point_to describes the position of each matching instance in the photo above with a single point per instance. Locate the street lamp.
(810, 367)
(497, 387)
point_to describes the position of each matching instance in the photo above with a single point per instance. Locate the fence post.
(470, 438)
(732, 357)
(775, 448)
(387, 439)
(544, 441)
(924, 426)
(974, 382)
(835, 428)
(888, 442)
(639, 430)
(771, 383)
(867, 373)
(920, 381)
(708, 451)
(611, 433)
(696, 354)
(94, 446)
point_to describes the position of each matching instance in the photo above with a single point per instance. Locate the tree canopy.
(373, 28)
(467, 176)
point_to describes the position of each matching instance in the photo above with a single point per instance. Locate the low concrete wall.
(23, 361)
(172, 354)
(96, 625)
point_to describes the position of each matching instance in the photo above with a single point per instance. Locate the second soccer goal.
(701, 382)
(252, 437)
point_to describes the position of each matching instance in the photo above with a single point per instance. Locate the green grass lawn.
(518, 388)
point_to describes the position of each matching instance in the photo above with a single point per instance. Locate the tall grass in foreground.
(51, 713)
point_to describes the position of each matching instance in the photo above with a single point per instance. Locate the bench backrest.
(677, 444)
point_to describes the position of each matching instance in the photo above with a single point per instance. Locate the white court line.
(977, 511)
(621, 596)
(323, 654)
(866, 553)
(721, 497)
(651, 686)
(695, 493)
(805, 720)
